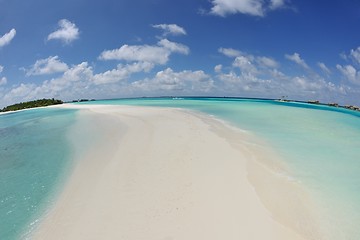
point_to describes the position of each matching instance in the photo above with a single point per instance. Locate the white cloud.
(230, 52)
(297, 87)
(276, 74)
(254, 72)
(174, 47)
(47, 66)
(122, 72)
(170, 29)
(350, 73)
(261, 76)
(245, 83)
(146, 53)
(355, 55)
(77, 73)
(324, 68)
(250, 7)
(72, 83)
(275, 4)
(182, 82)
(267, 62)
(19, 93)
(343, 56)
(67, 32)
(226, 7)
(7, 37)
(245, 64)
(297, 59)
(3, 81)
(262, 61)
(218, 68)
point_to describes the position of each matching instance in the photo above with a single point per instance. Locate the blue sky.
(132, 48)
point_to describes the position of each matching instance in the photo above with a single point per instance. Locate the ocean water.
(34, 156)
(320, 144)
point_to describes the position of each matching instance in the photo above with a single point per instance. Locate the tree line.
(31, 104)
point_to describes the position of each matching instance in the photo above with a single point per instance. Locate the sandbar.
(162, 174)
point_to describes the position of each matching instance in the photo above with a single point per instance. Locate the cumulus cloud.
(261, 76)
(324, 68)
(245, 83)
(276, 74)
(245, 64)
(350, 73)
(267, 62)
(7, 37)
(251, 69)
(77, 73)
(218, 68)
(275, 4)
(296, 87)
(156, 54)
(3, 81)
(49, 65)
(147, 53)
(297, 59)
(227, 7)
(249, 7)
(355, 55)
(174, 47)
(250, 66)
(72, 83)
(67, 32)
(122, 72)
(230, 52)
(183, 82)
(170, 29)
(242, 58)
(19, 93)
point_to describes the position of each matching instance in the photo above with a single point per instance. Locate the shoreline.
(34, 108)
(181, 190)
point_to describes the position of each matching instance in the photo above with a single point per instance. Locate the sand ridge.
(158, 173)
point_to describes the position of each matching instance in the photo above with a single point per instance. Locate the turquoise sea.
(320, 144)
(34, 156)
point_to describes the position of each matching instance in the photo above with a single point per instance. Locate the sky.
(73, 49)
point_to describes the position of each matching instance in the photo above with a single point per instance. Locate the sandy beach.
(167, 174)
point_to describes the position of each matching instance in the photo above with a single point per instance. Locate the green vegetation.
(32, 104)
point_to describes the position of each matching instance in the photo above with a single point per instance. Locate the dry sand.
(161, 174)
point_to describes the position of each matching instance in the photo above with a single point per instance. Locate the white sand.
(160, 174)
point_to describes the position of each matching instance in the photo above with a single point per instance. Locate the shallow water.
(320, 144)
(34, 154)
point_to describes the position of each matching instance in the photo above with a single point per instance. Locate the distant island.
(31, 104)
(83, 100)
